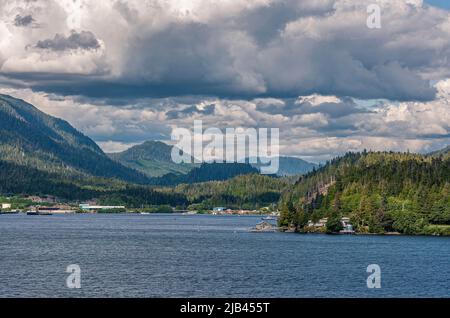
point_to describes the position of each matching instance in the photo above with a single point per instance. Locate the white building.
(6, 206)
(88, 207)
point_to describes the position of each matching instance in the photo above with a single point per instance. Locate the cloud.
(311, 68)
(190, 110)
(231, 49)
(23, 21)
(83, 40)
(114, 146)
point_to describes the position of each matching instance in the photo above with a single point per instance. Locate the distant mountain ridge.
(206, 172)
(31, 138)
(443, 152)
(291, 166)
(153, 158)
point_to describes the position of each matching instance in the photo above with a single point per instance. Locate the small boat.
(144, 213)
(45, 213)
(269, 218)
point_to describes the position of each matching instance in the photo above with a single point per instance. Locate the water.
(208, 256)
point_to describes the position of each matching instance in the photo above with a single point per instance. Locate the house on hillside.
(5, 206)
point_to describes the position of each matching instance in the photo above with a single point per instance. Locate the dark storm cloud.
(346, 106)
(241, 50)
(83, 40)
(191, 110)
(23, 21)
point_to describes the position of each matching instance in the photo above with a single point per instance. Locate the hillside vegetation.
(380, 192)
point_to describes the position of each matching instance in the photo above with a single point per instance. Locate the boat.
(144, 213)
(45, 213)
(269, 218)
(10, 212)
(189, 213)
(38, 213)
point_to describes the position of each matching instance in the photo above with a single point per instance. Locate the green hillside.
(380, 192)
(245, 191)
(206, 172)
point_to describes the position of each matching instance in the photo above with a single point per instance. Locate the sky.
(313, 69)
(439, 3)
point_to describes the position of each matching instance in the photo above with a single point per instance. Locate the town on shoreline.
(49, 205)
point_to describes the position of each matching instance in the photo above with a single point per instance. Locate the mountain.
(152, 158)
(248, 191)
(291, 166)
(379, 191)
(443, 152)
(31, 138)
(206, 172)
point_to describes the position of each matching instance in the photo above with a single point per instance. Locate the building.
(345, 221)
(6, 206)
(219, 209)
(320, 223)
(347, 227)
(88, 207)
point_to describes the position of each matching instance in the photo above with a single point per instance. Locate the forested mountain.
(379, 191)
(206, 172)
(152, 158)
(21, 180)
(246, 191)
(31, 138)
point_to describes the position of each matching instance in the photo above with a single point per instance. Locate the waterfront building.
(88, 207)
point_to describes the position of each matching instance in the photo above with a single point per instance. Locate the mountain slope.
(248, 191)
(152, 158)
(31, 138)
